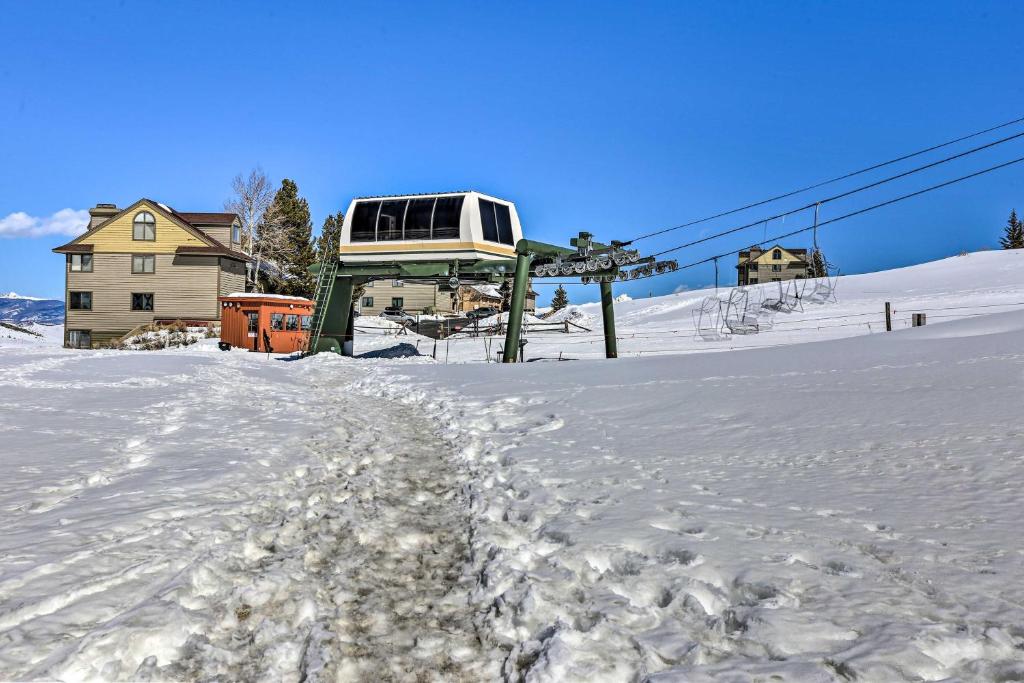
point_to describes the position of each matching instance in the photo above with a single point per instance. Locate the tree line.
(277, 232)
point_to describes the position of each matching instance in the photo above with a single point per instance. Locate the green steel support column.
(337, 316)
(516, 306)
(608, 315)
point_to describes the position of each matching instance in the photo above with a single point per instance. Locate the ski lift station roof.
(459, 226)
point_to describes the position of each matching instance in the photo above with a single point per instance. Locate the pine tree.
(330, 236)
(288, 225)
(819, 266)
(1013, 233)
(560, 300)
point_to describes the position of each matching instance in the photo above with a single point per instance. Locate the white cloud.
(68, 222)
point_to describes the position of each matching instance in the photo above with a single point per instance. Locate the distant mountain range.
(29, 309)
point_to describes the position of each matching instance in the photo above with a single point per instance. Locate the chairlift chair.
(736, 317)
(707, 319)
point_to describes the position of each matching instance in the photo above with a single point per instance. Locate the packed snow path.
(226, 516)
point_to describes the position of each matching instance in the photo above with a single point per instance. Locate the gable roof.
(746, 258)
(212, 246)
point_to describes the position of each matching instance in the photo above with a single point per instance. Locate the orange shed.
(252, 320)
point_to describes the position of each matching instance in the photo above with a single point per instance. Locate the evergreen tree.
(1013, 233)
(505, 292)
(819, 266)
(560, 300)
(287, 222)
(330, 236)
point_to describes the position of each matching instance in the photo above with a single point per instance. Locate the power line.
(831, 180)
(843, 195)
(848, 215)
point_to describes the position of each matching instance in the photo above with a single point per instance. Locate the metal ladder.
(324, 282)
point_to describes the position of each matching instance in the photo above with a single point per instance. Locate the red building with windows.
(252, 320)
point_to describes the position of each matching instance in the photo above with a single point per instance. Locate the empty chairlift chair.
(738, 319)
(823, 289)
(707, 318)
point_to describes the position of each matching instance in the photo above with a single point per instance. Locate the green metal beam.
(336, 329)
(608, 318)
(516, 307)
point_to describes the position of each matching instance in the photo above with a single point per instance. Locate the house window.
(776, 268)
(142, 301)
(80, 301)
(81, 263)
(307, 322)
(752, 268)
(777, 255)
(397, 283)
(236, 233)
(79, 339)
(144, 227)
(143, 263)
(277, 321)
(254, 322)
(291, 323)
(368, 302)
(397, 302)
(776, 279)
(753, 281)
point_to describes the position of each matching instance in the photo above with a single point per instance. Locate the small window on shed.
(291, 323)
(254, 322)
(364, 221)
(447, 217)
(307, 322)
(277, 321)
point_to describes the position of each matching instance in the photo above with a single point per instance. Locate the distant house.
(421, 297)
(472, 297)
(148, 263)
(776, 264)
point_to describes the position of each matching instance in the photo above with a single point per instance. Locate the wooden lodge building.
(148, 263)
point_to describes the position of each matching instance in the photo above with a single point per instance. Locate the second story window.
(144, 227)
(777, 255)
(81, 263)
(236, 233)
(80, 301)
(143, 263)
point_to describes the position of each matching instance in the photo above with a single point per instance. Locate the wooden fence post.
(888, 317)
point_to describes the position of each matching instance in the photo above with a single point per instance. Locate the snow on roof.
(487, 289)
(259, 295)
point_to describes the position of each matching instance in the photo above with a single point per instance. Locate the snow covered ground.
(807, 511)
(959, 287)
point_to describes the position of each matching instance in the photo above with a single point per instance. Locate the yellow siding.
(116, 235)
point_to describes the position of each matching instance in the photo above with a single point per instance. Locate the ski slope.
(840, 504)
(959, 287)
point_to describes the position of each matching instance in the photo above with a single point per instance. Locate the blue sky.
(618, 118)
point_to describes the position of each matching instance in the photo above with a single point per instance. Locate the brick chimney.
(100, 213)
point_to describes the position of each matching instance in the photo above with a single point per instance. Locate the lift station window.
(447, 218)
(410, 219)
(497, 222)
(391, 223)
(364, 222)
